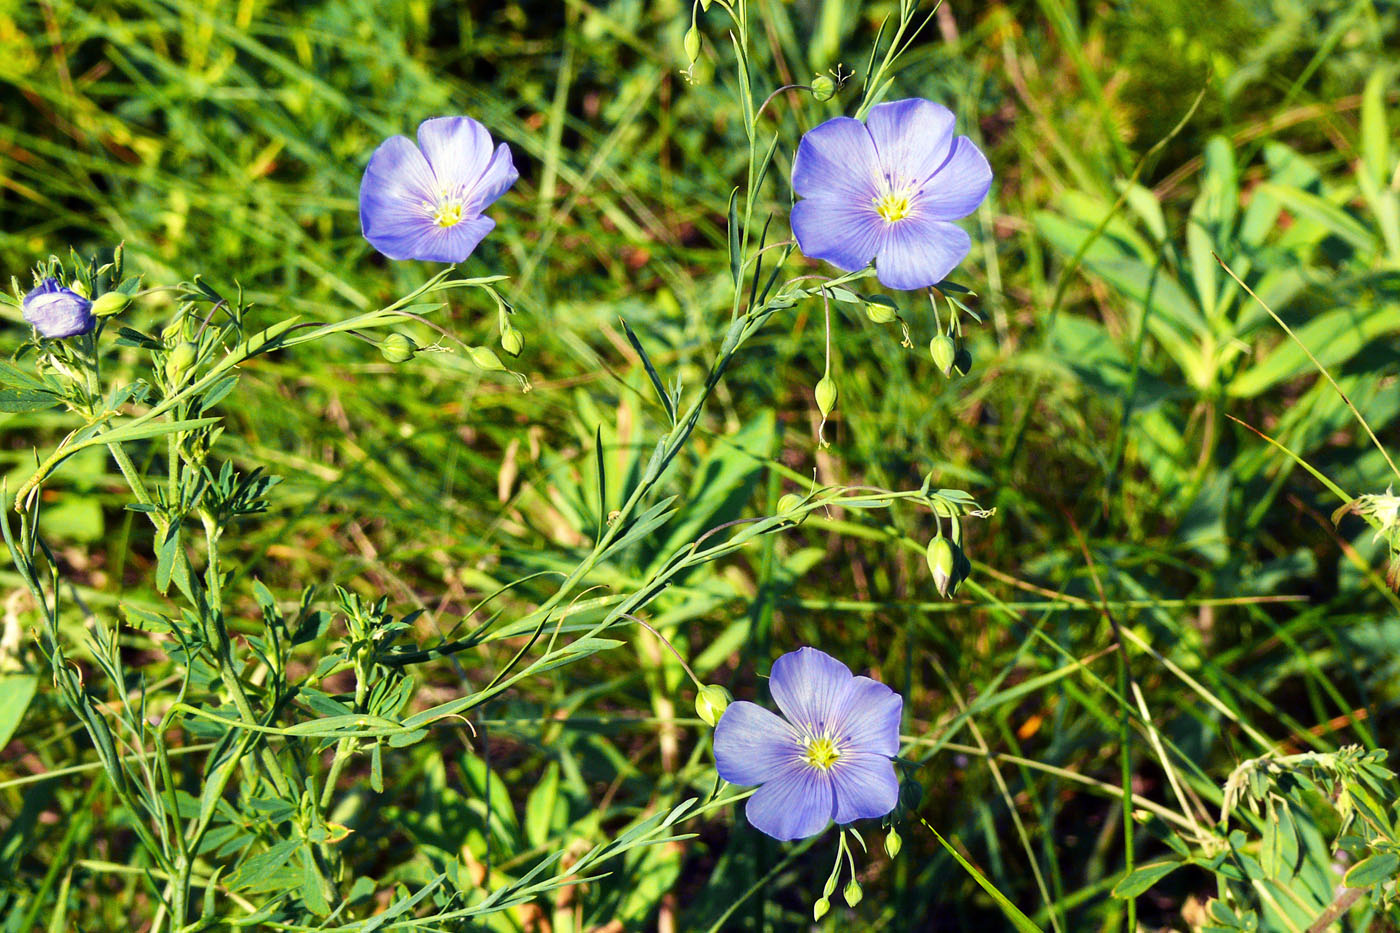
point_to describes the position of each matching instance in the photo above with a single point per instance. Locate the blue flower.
(829, 759)
(57, 312)
(425, 201)
(887, 189)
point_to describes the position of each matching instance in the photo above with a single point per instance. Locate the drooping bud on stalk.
(823, 88)
(486, 358)
(880, 309)
(397, 348)
(826, 395)
(511, 341)
(179, 361)
(110, 304)
(893, 843)
(820, 908)
(944, 352)
(692, 44)
(711, 702)
(942, 563)
(852, 892)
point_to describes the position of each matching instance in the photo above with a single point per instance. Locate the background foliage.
(1111, 420)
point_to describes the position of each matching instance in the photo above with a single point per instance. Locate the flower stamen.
(893, 206)
(822, 753)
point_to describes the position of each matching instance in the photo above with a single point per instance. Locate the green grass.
(1110, 420)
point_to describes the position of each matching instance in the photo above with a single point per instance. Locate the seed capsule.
(826, 395)
(944, 352)
(942, 563)
(711, 702)
(692, 44)
(486, 358)
(511, 341)
(823, 88)
(398, 348)
(180, 359)
(111, 304)
(881, 310)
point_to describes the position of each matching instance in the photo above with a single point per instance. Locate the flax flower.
(828, 757)
(888, 190)
(426, 201)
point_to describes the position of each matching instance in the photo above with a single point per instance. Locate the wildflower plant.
(246, 773)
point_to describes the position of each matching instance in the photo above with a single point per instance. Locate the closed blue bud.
(57, 312)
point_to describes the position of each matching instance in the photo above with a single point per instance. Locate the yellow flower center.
(894, 205)
(448, 213)
(822, 753)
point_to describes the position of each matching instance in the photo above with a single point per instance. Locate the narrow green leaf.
(1019, 920)
(16, 690)
(1143, 877)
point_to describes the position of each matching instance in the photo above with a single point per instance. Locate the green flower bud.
(852, 893)
(692, 44)
(830, 887)
(826, 395)
(511, 341)
(180, 359)
(962, 363)
(711, 702)
(789, 503)
(110, 304)
(820, 908)
(942, 563)
(893, 843)
(486, 358)
(823, 88)
(398, 348)
(944, 352)
(880, 309)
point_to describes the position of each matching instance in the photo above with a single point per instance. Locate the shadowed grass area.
(1159, 592)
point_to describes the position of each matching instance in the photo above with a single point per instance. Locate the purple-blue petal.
(913, 138)
(457, 149)
(437, 244)
(959, 185)
(495, 180)
(57, 312)
(837, 159)
(870, 724)
(811, 688)
(917, 252)
(753, 745)
(396, 197)
(794, 805)
(865, 787)
(843, 232)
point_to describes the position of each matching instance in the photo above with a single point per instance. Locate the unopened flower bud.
(823, 88)
(692, 44)
(511, 341)
(820, 908)
(789, 503)
(830, 887)
(711, 702)
(180, 359)
(880, 309)
(893, 843)
(942, 563)
(826, 395)
(911, 794)
(944, 352)
(486, 358)
(397, 348)
(111, 304)
(852, 892)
